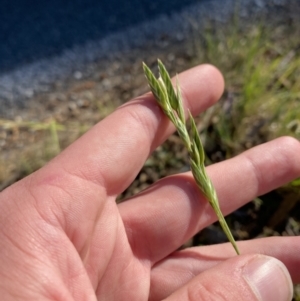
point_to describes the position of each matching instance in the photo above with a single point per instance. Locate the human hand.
(63, 237)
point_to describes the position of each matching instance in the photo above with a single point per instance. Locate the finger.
(71, 190)
(113, 151)
(186, 264)
(245, 278)
(165, 216)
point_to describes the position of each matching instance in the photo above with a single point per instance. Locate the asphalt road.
(45, 41)
(35, 29)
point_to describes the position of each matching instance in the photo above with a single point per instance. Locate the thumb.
(244, 278)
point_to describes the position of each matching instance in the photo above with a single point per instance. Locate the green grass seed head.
(171, 103)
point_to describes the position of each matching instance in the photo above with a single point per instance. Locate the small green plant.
(171, 103)
(261, 66)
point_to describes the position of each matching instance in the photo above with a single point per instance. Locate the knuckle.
(207, 292)
(141, 119)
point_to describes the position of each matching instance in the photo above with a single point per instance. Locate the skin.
(63, 237)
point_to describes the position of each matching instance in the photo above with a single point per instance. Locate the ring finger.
(163, 217)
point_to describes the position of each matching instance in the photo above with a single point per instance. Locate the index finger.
(113, 151)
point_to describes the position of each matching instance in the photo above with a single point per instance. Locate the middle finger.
(163, 217)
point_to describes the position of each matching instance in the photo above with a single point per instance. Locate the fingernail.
(269, 279)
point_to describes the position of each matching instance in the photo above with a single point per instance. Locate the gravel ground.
(18, 87)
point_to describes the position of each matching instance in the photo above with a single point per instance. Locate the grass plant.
(261, 65)
(171, 103)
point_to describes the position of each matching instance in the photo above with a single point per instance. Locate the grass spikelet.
(170, 101)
